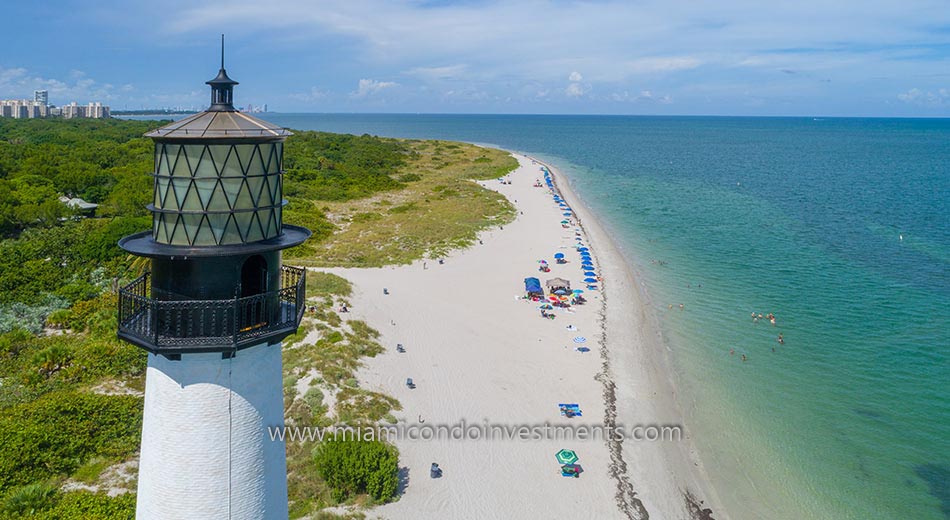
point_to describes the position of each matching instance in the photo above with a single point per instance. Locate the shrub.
(352, 467)
(82, 505)
(57, 433)
(27, 500)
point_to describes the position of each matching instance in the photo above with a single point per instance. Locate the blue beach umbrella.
(590, 280)
(558, 255)
(587, 267)
(566, 214)
(590, 273)
(585, 254)
(577, 291)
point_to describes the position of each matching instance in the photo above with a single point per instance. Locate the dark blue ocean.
(840, 227)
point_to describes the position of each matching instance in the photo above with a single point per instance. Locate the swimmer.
(743, 357)
(671, 306)
(681, 306)
(732, 352)
(781, 340)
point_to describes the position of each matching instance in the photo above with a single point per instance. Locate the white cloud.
(368, 87)
(575, 90)
(916, 96)
(315, 94)
(446, 73)
(575, 77)
(20, 83)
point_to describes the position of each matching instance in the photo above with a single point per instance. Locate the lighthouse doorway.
(254, 276)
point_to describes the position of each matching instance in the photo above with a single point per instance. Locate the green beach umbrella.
(566, 457)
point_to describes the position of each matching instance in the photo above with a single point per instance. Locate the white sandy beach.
(478, 353)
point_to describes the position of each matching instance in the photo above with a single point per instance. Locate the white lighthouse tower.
(212, 313)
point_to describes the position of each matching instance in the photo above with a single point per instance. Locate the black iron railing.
(177, 326)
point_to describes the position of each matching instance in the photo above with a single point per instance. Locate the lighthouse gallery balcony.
(164, 325)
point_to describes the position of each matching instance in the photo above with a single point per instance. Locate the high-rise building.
(211, 314)
(41, 97)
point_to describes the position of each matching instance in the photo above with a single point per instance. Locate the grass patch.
(441, 209)
(323, 284)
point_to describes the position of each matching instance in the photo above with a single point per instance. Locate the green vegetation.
(37, 444)
(70, 405)
(438, 209)
(44, 502)
(352, 467)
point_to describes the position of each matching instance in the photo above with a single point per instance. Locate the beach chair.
(409, 383)
(435, 471)
(400, 348)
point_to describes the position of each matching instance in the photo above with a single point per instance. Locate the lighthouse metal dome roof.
(221, 120)
(219, 124)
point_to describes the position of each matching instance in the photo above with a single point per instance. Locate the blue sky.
(724, 57)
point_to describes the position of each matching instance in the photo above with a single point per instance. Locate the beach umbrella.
(560, 291)
(566, 214)
(553, 298)
(579, 339)
(590, 273)
(578, 291)
(582, 349)
(582, 249)
(587, 266)
(558, 255)
(566, 457)
(585, 254)
(590, 280)
(565, 222)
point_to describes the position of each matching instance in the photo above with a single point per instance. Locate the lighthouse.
(211, 313)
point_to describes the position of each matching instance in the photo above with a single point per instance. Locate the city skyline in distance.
(653, 58)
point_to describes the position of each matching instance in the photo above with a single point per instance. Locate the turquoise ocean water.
(841, 227)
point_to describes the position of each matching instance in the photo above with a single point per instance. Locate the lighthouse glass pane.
(231, 187)
(254, 232)
(158, 158)
(280, 157)
(257, 163)
(204, 237)
(232, 167)
(219, 201)
(231, 234)
(180, 189)
(203, 164)
(205, 188)
(167, 159)
(192, 201)
(245, 152)
(193, 153)
(218, 221)
(219, 153)
(176, 230)
(255, 183)
(190, 225)
(161, 188)
(181, 168)
(267, 154)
